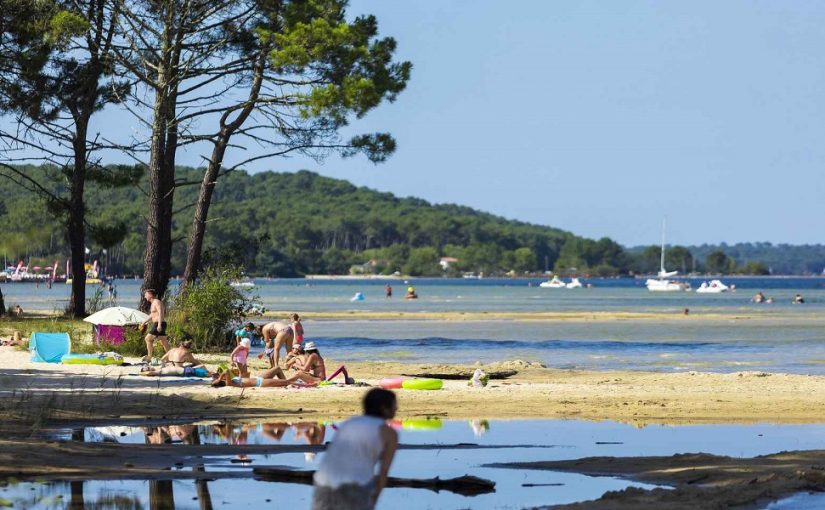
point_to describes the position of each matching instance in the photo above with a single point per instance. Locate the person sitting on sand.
(275, 335)
(178, 361)
(346, 478)
(313, 364)
(295, 358)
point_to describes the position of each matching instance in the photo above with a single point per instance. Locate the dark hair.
(377, 402)
(250, 325)
(295, 317)
(186, 344)
(151, 291)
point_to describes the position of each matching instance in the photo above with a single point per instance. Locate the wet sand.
(696, 480)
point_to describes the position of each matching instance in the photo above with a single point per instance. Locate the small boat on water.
(714, 287)
(246, 283)
(575, 284)
(554, 283)
(662, 283)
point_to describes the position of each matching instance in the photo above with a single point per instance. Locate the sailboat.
(662, 283)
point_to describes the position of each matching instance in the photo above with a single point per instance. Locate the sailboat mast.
(664, 226)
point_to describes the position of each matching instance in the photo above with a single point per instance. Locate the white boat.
(714, 287)
(243, 283)
(575, 284)
(554, 283)
(662, 283)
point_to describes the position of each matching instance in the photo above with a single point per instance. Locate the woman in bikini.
(313, 364)
(260, 381)
(275, 335)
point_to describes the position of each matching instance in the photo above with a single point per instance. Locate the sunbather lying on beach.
(14, 340)
(188, 371)
(226, 379)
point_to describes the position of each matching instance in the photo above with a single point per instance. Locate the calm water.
(457, 295)
(563, 439)
(783, 338)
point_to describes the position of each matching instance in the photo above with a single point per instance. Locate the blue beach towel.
(49, 347)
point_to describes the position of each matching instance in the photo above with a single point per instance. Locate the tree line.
(293, 224)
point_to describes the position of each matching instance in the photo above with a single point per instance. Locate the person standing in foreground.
(157, 315)
(346, 478)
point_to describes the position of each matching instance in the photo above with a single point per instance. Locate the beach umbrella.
(117, 316)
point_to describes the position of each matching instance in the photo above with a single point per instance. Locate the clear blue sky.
(601, 117)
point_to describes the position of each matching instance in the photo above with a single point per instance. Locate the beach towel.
(49, 347)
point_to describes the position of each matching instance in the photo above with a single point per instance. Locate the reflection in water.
(76, 502)
(161, 495)
(480, 427)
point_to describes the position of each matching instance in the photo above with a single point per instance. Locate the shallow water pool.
(529, 440)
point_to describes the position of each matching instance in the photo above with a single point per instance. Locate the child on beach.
(244, 332)
(297, 328)
(239, 356)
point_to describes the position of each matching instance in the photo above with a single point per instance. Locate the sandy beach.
(533, 392)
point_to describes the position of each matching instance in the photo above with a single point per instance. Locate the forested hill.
(291, 224)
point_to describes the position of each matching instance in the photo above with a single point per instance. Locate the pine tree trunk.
(158, 255)
(76, 225)
(194, 255)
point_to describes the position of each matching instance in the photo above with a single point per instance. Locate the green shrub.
(210, 308)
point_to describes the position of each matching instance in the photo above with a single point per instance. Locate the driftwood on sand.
(460, 376)
(466, 485)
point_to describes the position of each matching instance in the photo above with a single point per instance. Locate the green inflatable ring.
(422, 384)
(89, 359)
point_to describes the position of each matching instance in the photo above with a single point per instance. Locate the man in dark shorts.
(157, 315)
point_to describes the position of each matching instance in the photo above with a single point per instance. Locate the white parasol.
(117, 316)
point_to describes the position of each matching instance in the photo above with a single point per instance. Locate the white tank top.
(353, 453)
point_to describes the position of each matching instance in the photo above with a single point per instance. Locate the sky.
(604, 117)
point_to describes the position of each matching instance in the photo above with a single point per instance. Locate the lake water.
(460, 295)
(560, 439)
(782, 337)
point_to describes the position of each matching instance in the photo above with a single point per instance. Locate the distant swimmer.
(411, 293)
(758, 298)
(798, 299)
(387, 291)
